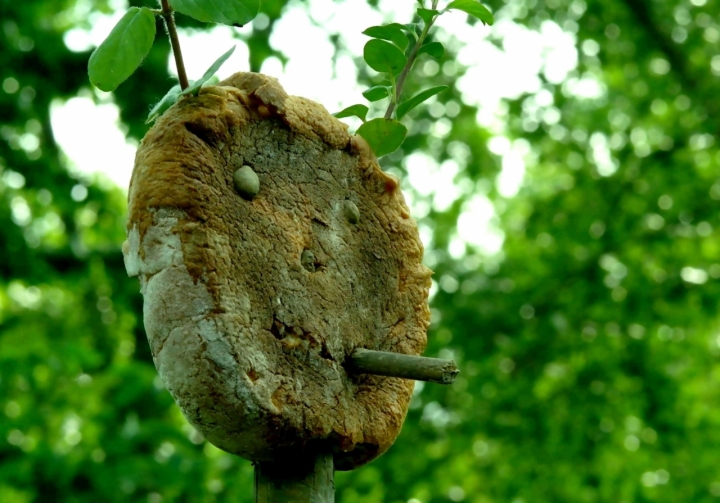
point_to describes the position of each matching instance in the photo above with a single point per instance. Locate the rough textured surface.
(251, 341)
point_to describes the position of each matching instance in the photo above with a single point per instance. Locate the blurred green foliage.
(589, 344)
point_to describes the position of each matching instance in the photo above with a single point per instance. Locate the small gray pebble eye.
(246, 182)
(307, 259)
(352, 213)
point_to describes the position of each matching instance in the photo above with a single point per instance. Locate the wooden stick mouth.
(419, 368)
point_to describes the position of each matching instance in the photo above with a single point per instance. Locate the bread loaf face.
(252, 304)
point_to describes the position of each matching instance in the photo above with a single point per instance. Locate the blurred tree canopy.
(589, 343)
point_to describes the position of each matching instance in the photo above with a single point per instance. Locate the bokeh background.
(567, 190)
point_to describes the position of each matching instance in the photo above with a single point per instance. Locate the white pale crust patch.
(249, 338)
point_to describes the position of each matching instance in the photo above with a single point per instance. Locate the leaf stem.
(394, 97)
(398, 87)
(168, 15)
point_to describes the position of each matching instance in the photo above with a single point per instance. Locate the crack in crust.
(248, 339)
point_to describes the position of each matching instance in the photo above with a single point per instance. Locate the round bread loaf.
(254, 298)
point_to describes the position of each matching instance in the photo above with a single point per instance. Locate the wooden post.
(298, 480)
(310, 479)
(419, 368)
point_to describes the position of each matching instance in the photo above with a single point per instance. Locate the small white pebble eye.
(352, 213)
(246, 182)
(307, 259)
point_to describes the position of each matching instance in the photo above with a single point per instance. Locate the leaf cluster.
(392, 51)
(175, 92)
(130, 41)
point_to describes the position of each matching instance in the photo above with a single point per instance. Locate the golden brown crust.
(249, 340)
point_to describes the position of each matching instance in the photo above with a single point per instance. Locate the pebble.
(352, 213)
(307, 259)
(247, 182)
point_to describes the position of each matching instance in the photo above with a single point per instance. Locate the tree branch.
(644, 17)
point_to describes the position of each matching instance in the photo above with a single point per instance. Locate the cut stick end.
(419, 368)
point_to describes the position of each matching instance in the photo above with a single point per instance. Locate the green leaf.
(353, 111)
(427, 15)
(408, 105)
(393, 32)
(384, 57)
(195, 88)
(166, 102)
(412, 40)
(473, 8)
(383, 135)
(412, 29)
(123, 50)
(433, 49)
(376, 93)
(231, 12)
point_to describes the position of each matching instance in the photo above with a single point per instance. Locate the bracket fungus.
(250, 335)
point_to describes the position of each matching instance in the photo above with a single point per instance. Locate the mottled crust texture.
(250, 341)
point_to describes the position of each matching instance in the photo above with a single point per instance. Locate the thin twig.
(408, 66)
(168, 15)
(419, 368)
